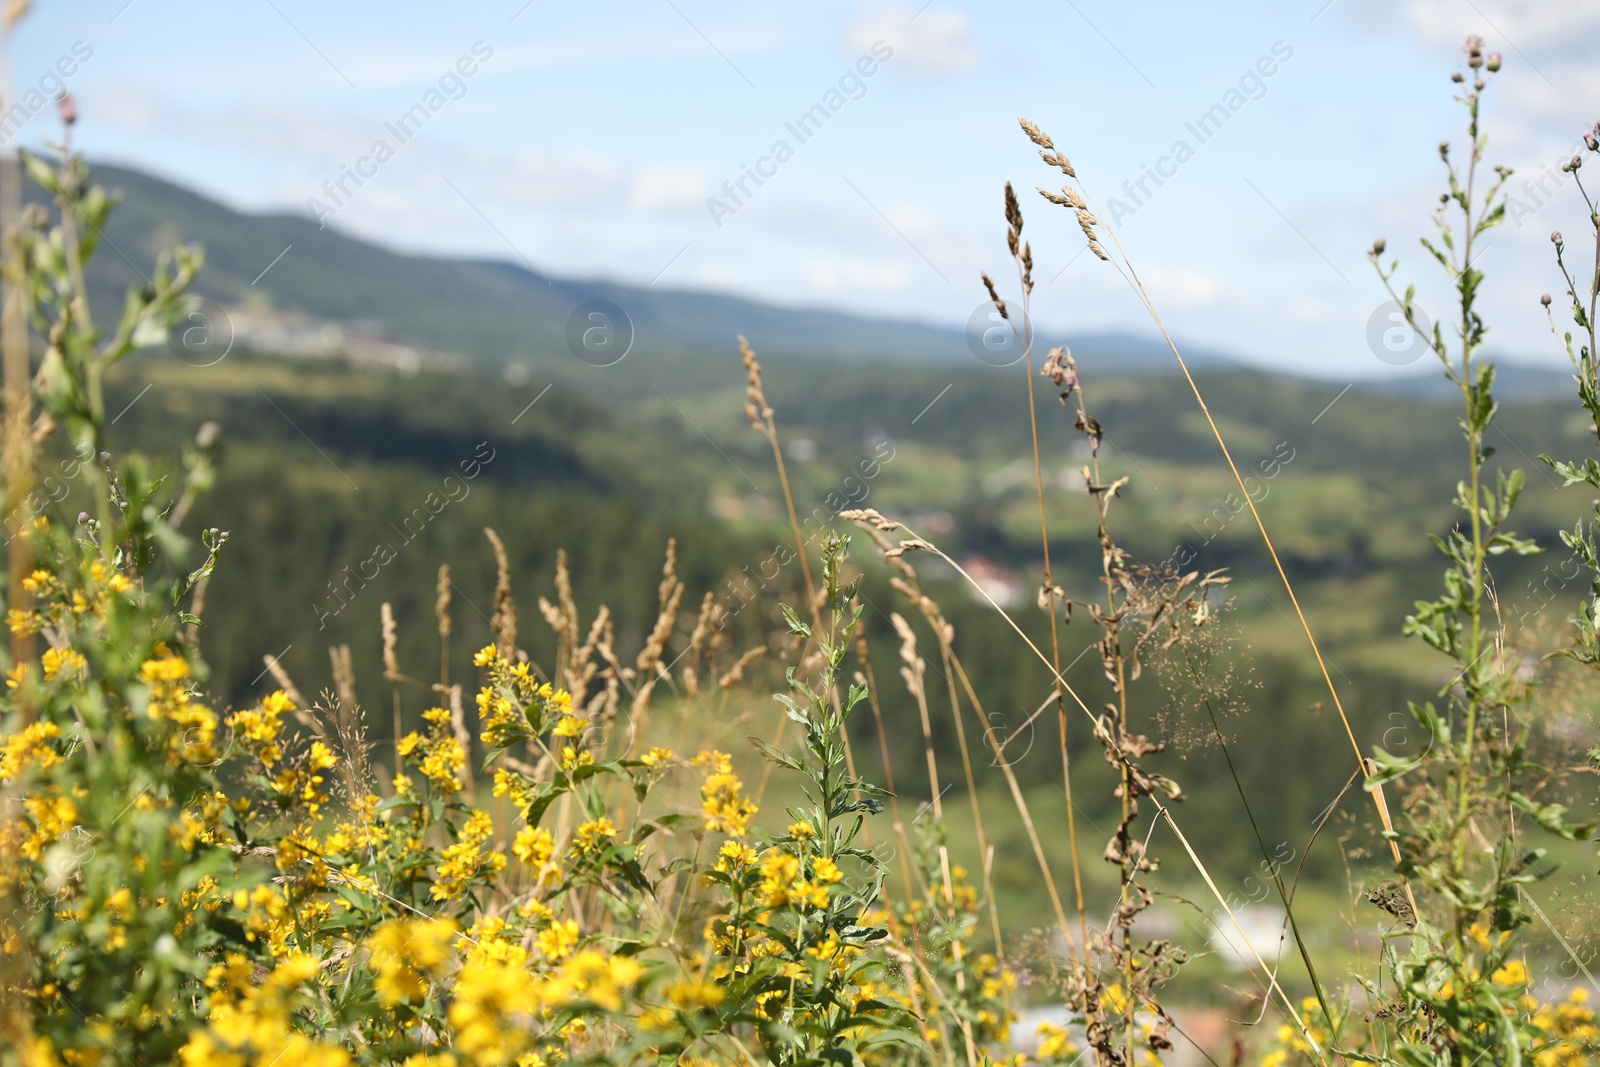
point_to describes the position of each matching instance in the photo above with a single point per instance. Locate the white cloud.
(1312, 310)
(839, 275)
(592, 180)
(661, 188)
(912, 220)
(932, 44)
(1547, 49)
(1183, 288)
(127, 104)
(551, 179)
(1530, 25)
(322, 141)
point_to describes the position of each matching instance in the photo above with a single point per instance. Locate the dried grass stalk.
(344, 674)
(391, 664)
(735, 674)
(503, 624)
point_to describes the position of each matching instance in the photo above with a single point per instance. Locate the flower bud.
(1545, 299)
(68, 108)
(1494, 62)
(1456, 77)
(1378, 246)
(1555, 238)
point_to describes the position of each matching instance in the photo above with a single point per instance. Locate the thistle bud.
(1494, 62)
(1545, 299)
(1457, 77)
(1555, 238)
(68, 108)
(1378, 246)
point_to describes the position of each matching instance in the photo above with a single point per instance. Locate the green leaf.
(774, 756)
(796, 627)
(1553, 818)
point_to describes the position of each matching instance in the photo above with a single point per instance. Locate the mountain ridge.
(492, 310)
(280, 269)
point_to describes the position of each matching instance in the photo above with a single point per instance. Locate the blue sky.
(591, 138)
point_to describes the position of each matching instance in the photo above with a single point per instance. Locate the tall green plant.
(107, 737)
(1582, 293)
(1454, 996)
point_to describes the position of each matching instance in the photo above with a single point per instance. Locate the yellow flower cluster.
(721, 796)
(515, 706)
(783, 886)
(593, 836)
(324, 956)
(442, 757)
(28, 747)
(406, 953)
(57, 601)
(465, 861)
(62, 661)
(496, 1000)
(52, 817)
(557, 940)
(194, 727)
(536, 848)
(516, 786)
(734, 856)
(252, 1023)
(1568, 1034)
(258, 728)
(266, 912)
(1054, 1044)
(360, 832)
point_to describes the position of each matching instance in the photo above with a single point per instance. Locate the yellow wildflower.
(594, 835)
(57, 661)
(558, 940)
